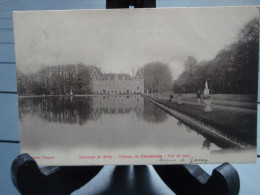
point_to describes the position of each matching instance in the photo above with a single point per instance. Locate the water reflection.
(206, 144)
(134, 114)
(153, 114)
(117, 105)
(179, 123)
(68, 109)
(68, 126)
(57, 109)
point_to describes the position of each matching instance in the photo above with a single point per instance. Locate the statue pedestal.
(206, 91)
(207, 108)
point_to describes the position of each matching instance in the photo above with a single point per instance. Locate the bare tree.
(190, 65)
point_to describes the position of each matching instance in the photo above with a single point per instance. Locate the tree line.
(55, 80)
(61, 79)
(233, 70)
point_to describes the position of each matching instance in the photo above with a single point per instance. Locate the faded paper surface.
(138, 86)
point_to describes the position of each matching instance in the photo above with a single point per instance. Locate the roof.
(112, 76)
(95, 71)
(138, 75)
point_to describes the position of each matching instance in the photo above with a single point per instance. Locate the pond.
(68, 127)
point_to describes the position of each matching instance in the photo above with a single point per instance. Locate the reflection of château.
(116, 83)
(117, 105)
(80, 110)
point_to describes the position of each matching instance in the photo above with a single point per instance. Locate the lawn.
(241, 125)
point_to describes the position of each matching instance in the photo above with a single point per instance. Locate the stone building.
(110, 83)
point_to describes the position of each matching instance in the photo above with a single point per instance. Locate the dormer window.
(94, 78)
(123, 77)
(116, 77)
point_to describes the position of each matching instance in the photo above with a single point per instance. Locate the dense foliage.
(157, 77)
(233, 70)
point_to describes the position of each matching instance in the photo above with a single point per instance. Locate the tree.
(21, 82)
(190, 65)
(157, 77)
(233, 70)
(55, 80)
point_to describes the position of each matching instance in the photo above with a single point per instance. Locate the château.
(111, 83)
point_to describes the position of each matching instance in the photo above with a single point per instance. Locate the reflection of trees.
(179, 123)
(206, 144)
(127, 104)
(153, 114)
(57, 109)
(68, 109)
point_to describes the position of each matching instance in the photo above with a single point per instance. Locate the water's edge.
(196, 124)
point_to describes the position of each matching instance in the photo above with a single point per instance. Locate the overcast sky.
(120, 40)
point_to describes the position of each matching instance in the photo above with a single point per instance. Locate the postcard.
(138, 86)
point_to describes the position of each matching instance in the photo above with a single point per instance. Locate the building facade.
(111, 83)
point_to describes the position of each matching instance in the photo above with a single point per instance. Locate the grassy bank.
(241, 125)
(233, 100)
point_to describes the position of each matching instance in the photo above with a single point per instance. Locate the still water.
(128, 124)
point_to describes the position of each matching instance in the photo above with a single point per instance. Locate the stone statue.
(206, 90)
(207, 98)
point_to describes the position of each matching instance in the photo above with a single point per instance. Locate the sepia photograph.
(138, 86)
